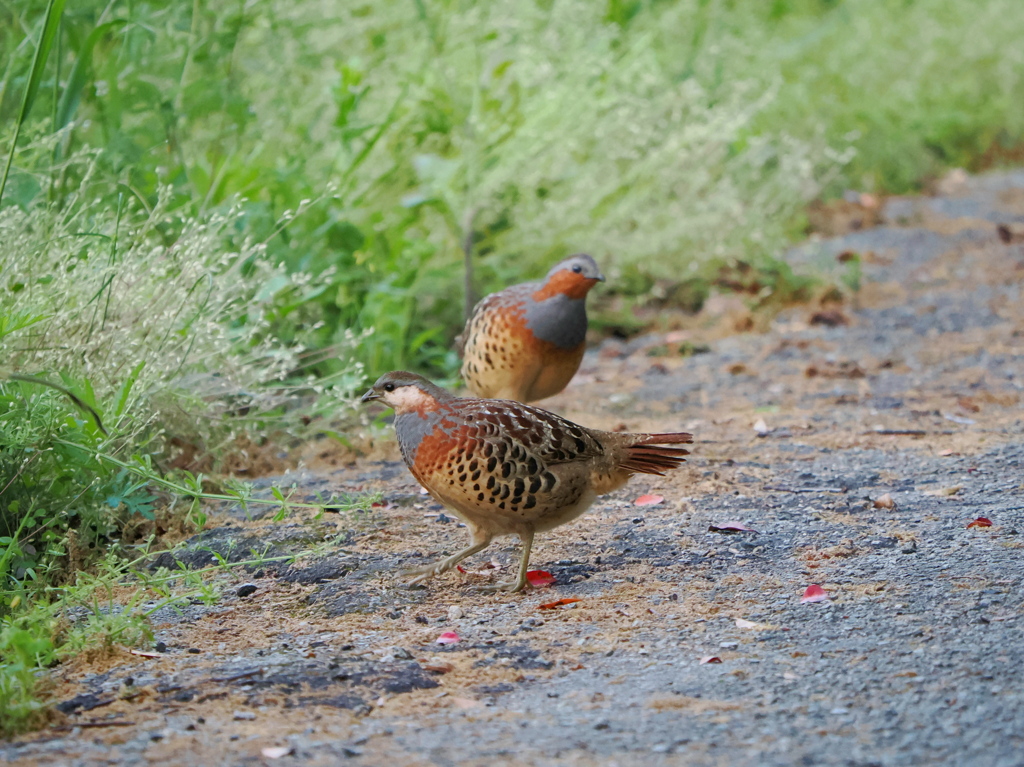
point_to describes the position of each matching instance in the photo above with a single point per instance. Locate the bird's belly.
(483, 517)
(563, 514)
(557, 368)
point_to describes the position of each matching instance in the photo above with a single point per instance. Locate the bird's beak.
(369, 396)
(600, 277)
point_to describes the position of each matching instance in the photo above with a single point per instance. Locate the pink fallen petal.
(276, 752)
(540, 579)
(814, 593)
(710, 659)
(448, 637)
(649, 500)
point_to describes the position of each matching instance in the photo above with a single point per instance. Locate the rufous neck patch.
(567, 283)
(411, 399)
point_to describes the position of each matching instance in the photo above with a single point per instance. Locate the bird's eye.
(389, 387)
(578, 269)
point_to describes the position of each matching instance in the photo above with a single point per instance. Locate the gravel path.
(859, 440)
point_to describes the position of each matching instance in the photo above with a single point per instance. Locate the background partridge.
(504, 467)
(526, 342)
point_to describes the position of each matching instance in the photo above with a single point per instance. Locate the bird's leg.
(524, 563)
(481, 540)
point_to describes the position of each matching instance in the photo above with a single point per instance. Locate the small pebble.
(160, 647)
(246, 589)
(244, 716)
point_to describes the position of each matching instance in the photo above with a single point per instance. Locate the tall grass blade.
(72, 94)
(78, 402)
(51, 25)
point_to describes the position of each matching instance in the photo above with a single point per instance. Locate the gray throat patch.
(559, 320)
(411, 428)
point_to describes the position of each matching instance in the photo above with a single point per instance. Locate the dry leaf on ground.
(730, 527)
(558, 603)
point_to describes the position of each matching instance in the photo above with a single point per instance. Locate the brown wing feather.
(550, 438)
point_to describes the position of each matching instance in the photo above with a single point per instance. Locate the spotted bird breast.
(497, 343)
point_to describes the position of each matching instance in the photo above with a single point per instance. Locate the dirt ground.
(858, 439)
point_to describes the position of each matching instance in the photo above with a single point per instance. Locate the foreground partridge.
(504, 467)
(526, 342)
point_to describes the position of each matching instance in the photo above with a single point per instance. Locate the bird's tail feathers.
(649, 456)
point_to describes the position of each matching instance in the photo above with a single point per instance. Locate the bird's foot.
(417, 575)
(508, 586)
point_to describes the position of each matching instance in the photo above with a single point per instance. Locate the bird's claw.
(418, 575)
(508, 586)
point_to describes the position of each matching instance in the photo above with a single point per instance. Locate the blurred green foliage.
(658, 133)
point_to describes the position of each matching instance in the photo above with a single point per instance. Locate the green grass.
(217, 219)
(153, 344)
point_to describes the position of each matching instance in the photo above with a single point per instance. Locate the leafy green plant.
(23, 652)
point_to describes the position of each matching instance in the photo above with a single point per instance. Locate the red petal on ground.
(649, 500)
(980, 522)
(814, 593)
(540, 579)
(710, 659)
(460, 568)
(448, 637)
(558, 603)
(731, 527)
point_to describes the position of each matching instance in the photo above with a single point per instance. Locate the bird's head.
(573, 276)
(406, 392)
